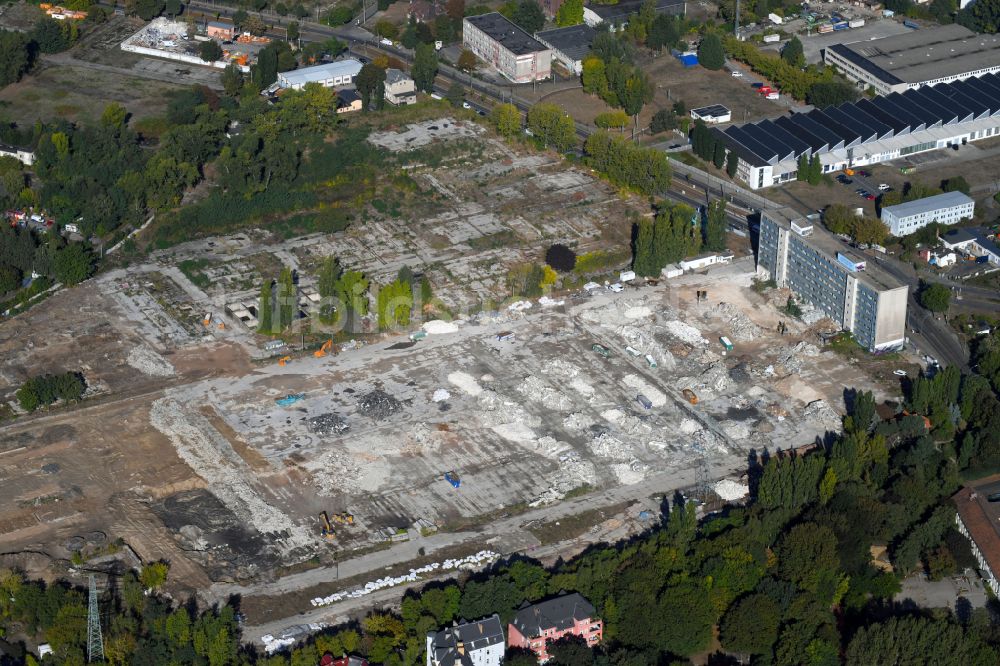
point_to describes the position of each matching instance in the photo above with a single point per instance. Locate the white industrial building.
(569, 45)
(514, 53)
(948, 208)
(869, 131)
(978, 242)
(924, 57)
(328, 75)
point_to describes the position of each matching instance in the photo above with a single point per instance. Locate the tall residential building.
(822, 270)
(537, 625)
(515, 54)
(948, 208)
(471, 644)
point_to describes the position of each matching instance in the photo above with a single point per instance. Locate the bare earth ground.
(183, 452)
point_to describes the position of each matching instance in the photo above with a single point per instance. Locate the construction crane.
(283, 360)
(326, 529)
(321, 352)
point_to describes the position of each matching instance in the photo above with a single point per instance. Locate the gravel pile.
(730, 490)
(148, 362)
(328, 424)
(378, 405)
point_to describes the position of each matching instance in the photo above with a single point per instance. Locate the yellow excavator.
(321, 352)
(343, 518)
(326, 529)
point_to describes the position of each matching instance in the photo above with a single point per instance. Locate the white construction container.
(856, 23)
(771, 39)
(626, 276)
(774, 18)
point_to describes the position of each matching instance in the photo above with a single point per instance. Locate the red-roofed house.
(979, 520)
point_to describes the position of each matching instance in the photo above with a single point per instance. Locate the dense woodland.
(786, 580)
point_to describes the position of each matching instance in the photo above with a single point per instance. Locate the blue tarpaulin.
(689, 60)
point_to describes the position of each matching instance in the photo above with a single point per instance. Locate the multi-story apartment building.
(471, 644)
(947, 208)
(824, 271)
(535, 626)
(515, 54)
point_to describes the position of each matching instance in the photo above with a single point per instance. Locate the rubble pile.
(148, 362)
(730, 490)
(536, 390)
(822, 412)
(328, 424)
(378, 405)
(739, 326)
(684, 332)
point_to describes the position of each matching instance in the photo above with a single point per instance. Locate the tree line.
(20, 50)
(644, 170)
(44, 390)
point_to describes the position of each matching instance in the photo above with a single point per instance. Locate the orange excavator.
(321, 352)
(283, 360)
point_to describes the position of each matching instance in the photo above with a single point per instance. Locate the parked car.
(863, 173)
(870, 197)
(884, 187)
(899, 373)
(757, 84)
(616, 287)
(737, 74)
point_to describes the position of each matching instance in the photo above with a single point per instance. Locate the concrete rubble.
(328, 424)
(149, 362)
(378, 405)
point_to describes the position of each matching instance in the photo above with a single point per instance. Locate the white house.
(479, 643)
(25, 157)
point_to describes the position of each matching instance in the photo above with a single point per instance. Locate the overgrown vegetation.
(45, 390)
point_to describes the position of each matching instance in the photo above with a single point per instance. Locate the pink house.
(535, 626)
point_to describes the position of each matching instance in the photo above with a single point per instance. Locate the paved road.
(931, 335)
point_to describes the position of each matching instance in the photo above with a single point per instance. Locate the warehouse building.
(569, 45)
(515, 54)
(328, 75)
(827, 273)
(617, 15)
(919, 58)
(868, 131)
(948, 208)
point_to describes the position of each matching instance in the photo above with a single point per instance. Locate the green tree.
(751, 625)
(73, 264)
(456, 95)
(715, 226)
(569, 13)
(265, 308)
(732, 164)
(956, 184)
(232, 79)
(293, 31)
(370, 84)
(663, 121)
(153, 575)
(286, 297)
(719, 155)
(644, 261)
(807, 554)
(793, 54)
(831, 93)
(15, 56)
(529, 16)
(507, 119)
(918, 640)
(467, 61)
(552, 126)
(147, 10)
(933, 296)
(710, 53)
(425, 67)
(611, 119)
(327, 284)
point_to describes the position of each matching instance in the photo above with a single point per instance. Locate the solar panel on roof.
(898, 125)
(762, 136)
(849, 136)
(961, 111)
(816, 143)
(832, 138)
(926, 115)
(766, 153)
(978, 106)
(940, 114)
(870, 128)
(891, 107)
(983, 92)
(990, 86)
(787, 138)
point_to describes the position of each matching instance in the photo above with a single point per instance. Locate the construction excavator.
(326, 529)
(283, 360)
(343, 518)
(321, 352)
